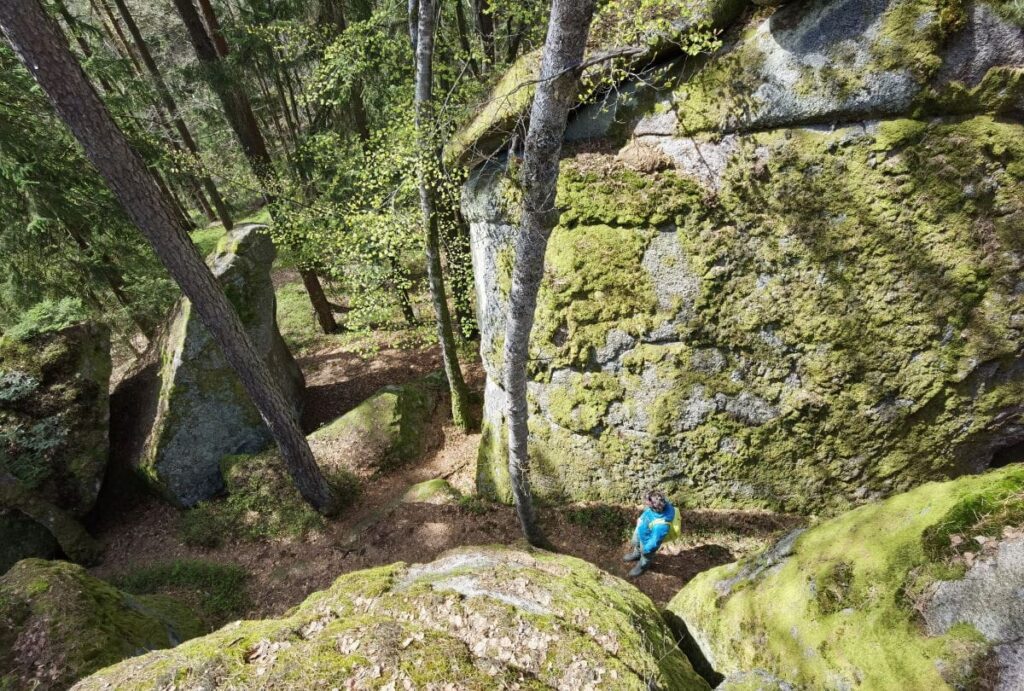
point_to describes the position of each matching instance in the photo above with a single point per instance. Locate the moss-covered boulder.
(203, 413)
(390, 428)
(54, 422)
(921, 590)
(436, 491)
(58, 624)
(54, 413)
(478, 618)
(804, 299)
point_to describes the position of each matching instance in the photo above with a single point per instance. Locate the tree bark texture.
(555, 96)
(429, 174)
(164, 93)
(35, 41)
(236, 104)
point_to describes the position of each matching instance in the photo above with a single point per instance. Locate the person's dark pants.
(637, 555)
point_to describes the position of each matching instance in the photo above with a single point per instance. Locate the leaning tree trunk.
(556, 93)
(429, 173)
(243, 121)
(164, 93)
(36, 42)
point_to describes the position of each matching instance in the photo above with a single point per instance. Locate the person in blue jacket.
(651, 529)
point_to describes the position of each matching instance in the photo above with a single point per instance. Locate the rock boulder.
(921, 590)
(58, 624)
(203, 413)
(476, 618)
(789, 278)
(54, 428)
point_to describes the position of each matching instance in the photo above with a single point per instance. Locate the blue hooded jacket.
(652, 527)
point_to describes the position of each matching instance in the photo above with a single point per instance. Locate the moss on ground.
(850, 589)
(476, 618)
(219, 589)
(262, 503)
(58, 624)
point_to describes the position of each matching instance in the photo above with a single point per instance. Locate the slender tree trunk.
(101, 8)
(556, 94)
(240, 116)
(213, 25)
(485, 23)
(321, 305)
(175, 202)
(429, 173)
(463, 29)
(172, 108)
(32, 35)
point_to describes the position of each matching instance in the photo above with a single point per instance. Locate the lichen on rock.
(476, 618)
(54, 419)
(58, 624)
(203, 412)
(917, 591)
(777, 313)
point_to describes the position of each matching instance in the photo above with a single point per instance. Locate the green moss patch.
(848, 618)
(58, 624)
(477, 618)
(219, 589)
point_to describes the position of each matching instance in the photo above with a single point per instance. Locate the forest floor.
(379, 528)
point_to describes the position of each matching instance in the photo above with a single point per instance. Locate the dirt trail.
(379, 530)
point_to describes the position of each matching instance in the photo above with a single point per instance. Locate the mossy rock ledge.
(203, 412)
(58, 624)
(54, 428)
(919, 591)
(476, 618)
(786, 277)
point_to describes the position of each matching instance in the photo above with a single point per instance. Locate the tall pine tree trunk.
(240, 116)
(34, 39)
(169, 104)
(556, 93)
(429, 174)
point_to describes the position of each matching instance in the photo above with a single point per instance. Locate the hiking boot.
(632, 556)
(641, 566)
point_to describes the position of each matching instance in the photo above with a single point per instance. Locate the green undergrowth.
(46, 317)
(219, 589)
(852, 589)
(262, 504)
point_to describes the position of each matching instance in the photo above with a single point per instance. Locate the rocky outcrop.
(54, 442)
(58, 624)
(203, 413)
(477, 618)
(788, 277)
(921, 590)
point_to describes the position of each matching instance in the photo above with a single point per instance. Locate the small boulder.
(203, 412)
(919, 591)
(436, 491)
(476, 618)
(389, 429)
(58, 624)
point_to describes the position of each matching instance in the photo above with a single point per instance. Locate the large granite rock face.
(477, 618)
(919, 591)
(203, 413)
(58, 624)
(54, 422)
(789, 278)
